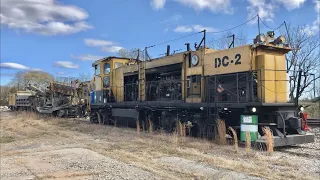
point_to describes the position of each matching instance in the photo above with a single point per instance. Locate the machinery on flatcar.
(62, 99)
(246, 86)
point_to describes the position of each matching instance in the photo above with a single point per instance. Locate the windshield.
(106, 68)
(97, 69)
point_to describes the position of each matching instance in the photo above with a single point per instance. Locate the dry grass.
(26, 115)
(222, 140)
(235, 139)
(269, 139)
(248, 142)
(99, 118)
(181, 129)
(6, 139)
(150, 127)
(184, 132)
(175, 139)
(142, 152)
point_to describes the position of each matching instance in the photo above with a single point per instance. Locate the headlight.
(301, 108)
(254, 109)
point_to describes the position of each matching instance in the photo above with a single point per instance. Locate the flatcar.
(246, 86)
(61, 99)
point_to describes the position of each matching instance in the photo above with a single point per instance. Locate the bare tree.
(305, 56)
(85, 76)
(23, 79)
(133, 53)
(225, 41)
(4, 95)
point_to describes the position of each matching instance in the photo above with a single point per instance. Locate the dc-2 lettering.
(226, 61)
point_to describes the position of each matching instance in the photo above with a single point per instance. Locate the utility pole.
(258, 24)
(298, 88)
(232, 43)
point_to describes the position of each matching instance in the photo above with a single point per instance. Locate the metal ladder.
(142, 84)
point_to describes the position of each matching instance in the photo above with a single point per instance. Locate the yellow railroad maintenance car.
(246, 86)
(20, 100)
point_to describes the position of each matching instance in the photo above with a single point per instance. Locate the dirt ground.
(34, 147)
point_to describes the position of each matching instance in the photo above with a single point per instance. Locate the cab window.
(106, 82)
(106, 68)
(97, 69)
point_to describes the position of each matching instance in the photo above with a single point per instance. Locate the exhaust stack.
(168, 50)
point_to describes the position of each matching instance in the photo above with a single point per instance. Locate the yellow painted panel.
(266, 76)
(207, 51)
(97, 83)
(173, 59)
(117, 85)
(281, 79)
(228, 61)
(193, 100)
(12, 99)
(269, 79)
(272, 78)
(183, 79)
(130, 69)
(197, 70)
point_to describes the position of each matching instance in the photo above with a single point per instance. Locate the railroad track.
(313, 122)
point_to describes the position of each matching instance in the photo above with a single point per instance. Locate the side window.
(97, 69)
(106, 82)
(117, 65)
(106, 68)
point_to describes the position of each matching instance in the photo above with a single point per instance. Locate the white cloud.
(9, 65)
(212, 5)
(198, 28)
(46, 17)
(317, 6)
(66, 64)
(106, 46)
(97, 42)
(313, 28)
(87, 57)
(291, 4)
(112, 49)
(171, 21)
(266, 8)
(183, 29)
(157, 4)
(193, 28)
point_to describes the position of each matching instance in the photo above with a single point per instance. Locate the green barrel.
(249, 123)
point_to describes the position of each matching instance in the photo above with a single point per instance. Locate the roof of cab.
(109, 57)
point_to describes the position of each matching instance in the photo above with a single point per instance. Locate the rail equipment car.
(62, 99)
(20, 100)
(199, 86)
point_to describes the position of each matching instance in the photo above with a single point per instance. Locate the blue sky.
(64, 37)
